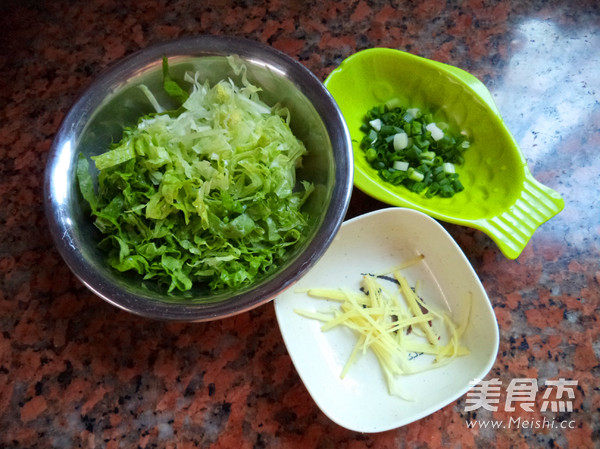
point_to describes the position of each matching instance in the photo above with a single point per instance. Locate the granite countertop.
(77, 372)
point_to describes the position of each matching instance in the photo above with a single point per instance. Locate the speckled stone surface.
(77, 372)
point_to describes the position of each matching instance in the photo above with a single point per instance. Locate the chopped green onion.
(428, 155)
(400, 141)
(415, 175)
(376, 124)
(436, 133)
(448, 167)
(407, 147)
(401, 165)
(371, 154)
(372, 135)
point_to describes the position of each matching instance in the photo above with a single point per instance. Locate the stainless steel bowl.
(114, 101)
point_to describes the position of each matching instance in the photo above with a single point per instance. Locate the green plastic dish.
(501, 197)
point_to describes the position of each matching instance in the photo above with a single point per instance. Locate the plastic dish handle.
(537, 203)
(512, 229)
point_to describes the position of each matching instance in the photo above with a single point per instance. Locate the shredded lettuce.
(206, 194)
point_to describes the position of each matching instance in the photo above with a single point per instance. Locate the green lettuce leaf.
(205, 195)
(170, 85)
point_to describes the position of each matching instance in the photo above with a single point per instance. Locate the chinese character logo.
(485, 394)
(562, 387)
(523, 391)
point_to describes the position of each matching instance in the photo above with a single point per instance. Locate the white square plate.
(372, 243)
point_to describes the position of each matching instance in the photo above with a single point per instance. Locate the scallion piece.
(400, 141)
(401, 165)
(415, 175)
(448, 167)
(436, 133)
(375, 124)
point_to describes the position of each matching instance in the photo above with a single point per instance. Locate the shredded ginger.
(393, 322)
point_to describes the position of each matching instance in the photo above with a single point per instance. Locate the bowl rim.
(61, 157)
